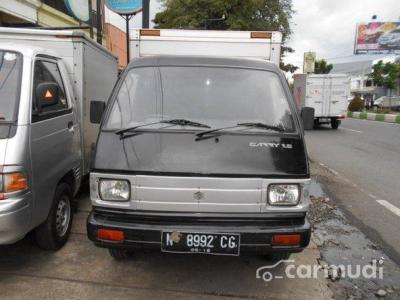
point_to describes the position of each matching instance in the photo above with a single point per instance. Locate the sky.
(324, 26)
(328, 27)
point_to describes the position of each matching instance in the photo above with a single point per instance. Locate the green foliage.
(271, 15)
(357, 104)
(350, 114)
(398, 119)
(386, 74)
(322, 67)
(380, 117)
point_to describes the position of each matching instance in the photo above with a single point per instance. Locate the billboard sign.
(309, 62)
(377, 37)
(124, 7)
(78, 9)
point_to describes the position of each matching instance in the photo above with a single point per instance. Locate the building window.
(368, 83)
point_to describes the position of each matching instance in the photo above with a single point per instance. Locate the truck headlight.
(114, 190)
(283, 194)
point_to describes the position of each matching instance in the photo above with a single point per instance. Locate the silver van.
(200, 155)
(46, 138)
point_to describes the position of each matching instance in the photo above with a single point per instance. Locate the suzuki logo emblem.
(198, 195)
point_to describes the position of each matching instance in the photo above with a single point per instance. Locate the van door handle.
(70, 126)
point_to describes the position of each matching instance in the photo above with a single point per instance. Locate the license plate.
(206, 243)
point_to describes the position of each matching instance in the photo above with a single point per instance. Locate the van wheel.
(335, 123)
(55, 231)
(274, 257)
(120, 254)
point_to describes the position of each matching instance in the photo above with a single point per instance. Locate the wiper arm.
(278, 128)
(217, 131)
(184, 122)
(180, 122)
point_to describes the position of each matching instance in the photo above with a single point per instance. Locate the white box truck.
(264, 45)
(47, 82)
(325, 94)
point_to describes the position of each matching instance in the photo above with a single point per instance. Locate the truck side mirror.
(47, 94)
(307, 116)
(96, 111)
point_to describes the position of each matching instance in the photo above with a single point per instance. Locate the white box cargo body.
(327, 93)
(92, 70)
(246, 44)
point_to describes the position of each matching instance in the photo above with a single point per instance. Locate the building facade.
(359, 67)
(48, 13)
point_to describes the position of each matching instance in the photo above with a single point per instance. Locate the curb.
(389, 118)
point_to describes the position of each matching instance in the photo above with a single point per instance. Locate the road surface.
(363, 158)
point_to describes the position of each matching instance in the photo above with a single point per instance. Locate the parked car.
(200, 155)
(390, 39)
(47, 79)
(387, 102)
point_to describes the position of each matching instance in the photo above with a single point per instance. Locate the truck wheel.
(335, 123)
(274, 257)
(120, 254)
(55, 231)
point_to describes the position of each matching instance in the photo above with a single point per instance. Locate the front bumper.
(143, 230)
(15, 218)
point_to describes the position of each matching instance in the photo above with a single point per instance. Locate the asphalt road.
(363, 158)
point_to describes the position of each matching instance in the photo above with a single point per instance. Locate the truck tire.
(335, 123)
(55, 231)
(120, 254)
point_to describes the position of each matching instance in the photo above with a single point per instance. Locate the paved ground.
(83, 271)
(359, 164)
(364, 160)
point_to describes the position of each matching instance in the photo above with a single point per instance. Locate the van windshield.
(10, 70)
(216, 96)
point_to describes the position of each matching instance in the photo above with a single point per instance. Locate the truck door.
(315, 94)
(52, 137)
(338, 96)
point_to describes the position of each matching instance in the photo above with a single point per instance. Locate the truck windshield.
(10, 69)
(215, 96)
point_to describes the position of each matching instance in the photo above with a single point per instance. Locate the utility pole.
(99, 22)
(90, 19)
(146, 14)
(127, 19)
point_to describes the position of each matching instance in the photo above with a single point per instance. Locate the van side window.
(46, 71)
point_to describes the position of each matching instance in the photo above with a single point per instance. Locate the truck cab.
(200, 155)
(48, 79)
(40, 156)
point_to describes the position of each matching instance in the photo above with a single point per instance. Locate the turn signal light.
(150, 32)
(261, 35)
(286, 240)
(111, 235)
(14, 182)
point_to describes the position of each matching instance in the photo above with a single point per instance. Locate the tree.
(252, 15)
(322, 67)
(386, 75)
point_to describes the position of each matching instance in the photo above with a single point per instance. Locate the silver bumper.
(15, 218)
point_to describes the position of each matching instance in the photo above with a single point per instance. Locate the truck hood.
(247, 155)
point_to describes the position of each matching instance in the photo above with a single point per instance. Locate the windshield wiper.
(278, 128)
(218, 131)
(180, 122)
